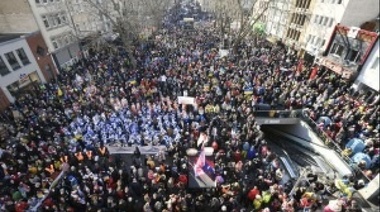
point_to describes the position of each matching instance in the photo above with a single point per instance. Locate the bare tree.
(129, 18)
(235, 19)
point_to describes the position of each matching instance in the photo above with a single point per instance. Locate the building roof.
(7, 37)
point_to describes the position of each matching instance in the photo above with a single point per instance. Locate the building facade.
(369, 76)
(19, 70)
(40, 52)
(55, 24)
(347, 50)
(277, 19)
(299, 18)
(325, 14)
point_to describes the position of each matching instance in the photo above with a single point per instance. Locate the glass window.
(55, 44)
(46, 21)
(316, 19)
(54, 20)
(63, 18)
(331, 22)
(337, 49)
(38, 1)
(45, 1)
(353, 55)
(12, 60)
(3, 68)
(321, 20)
(325, 21)
(339, 2)
(323, 43)
(23, 57)
(59, 22)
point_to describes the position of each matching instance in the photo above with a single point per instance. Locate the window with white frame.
(316, 19)
(11, 58)
(58, 19)
(38, 1)
(353, 55)
(55, 43)
(22, 56)
(3, 68)
(45, 1)
(63, 17)
(45, 20)
(323, 42)
(331, 22)
(325, 21)
(337, 49)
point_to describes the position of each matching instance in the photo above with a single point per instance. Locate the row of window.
(13, 60)
(293, 34)
(53, 20)
(323, 20)
(341, 51)
(38, 2)
(315, 41)
(298, 19)
(332, 1)
(303, 4)
(62, 40)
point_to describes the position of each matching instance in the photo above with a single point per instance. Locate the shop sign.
(331, 65)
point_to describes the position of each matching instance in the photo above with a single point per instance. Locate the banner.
(185, 100)
(144, 150)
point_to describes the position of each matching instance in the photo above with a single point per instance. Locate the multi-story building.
(63, 23)
(299, 18)
(347, 50)
(326, 14)
(24, 61)
(50, 17)
(369, 76)
(56, 26)
(277, 19)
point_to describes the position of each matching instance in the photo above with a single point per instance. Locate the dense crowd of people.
(105, 100)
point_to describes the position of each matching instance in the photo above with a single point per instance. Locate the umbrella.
(324, 119)
(356, 144)
(362, 156)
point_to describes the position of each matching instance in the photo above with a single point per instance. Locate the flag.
(314, 73)
(201, 161)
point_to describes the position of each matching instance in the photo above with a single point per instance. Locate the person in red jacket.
(252, 193)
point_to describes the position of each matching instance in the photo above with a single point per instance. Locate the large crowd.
(105, 100)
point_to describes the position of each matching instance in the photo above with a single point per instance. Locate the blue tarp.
(362, 156)
(356, 144)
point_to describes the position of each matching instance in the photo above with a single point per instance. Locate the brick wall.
(40, 52)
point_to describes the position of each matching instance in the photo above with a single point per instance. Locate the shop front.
(348, 73)
(25, 84)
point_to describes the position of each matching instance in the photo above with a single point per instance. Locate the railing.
(327, 140)
(333, 145)
(278, 113)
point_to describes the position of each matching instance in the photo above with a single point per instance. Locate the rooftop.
(7, 37)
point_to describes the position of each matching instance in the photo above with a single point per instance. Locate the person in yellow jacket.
(257, 202)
